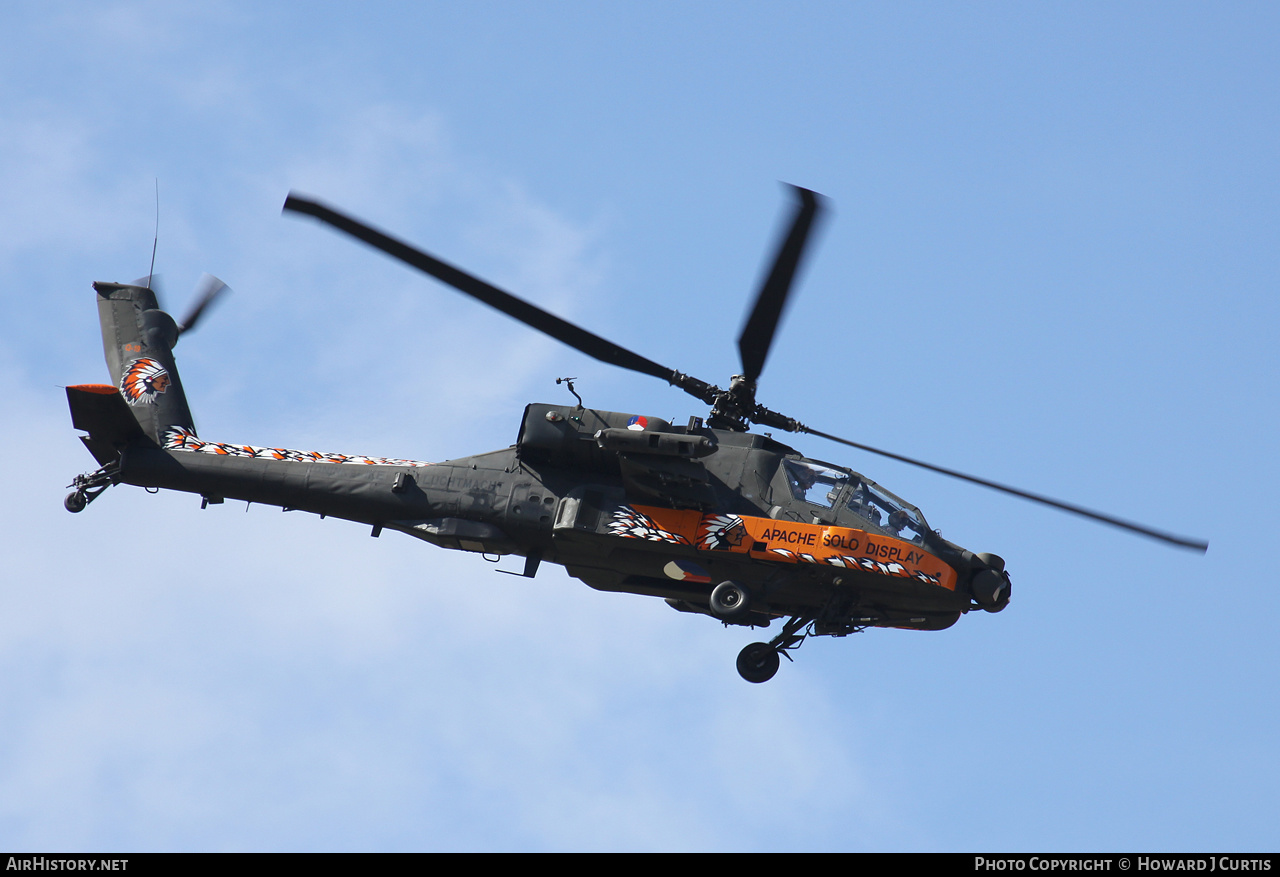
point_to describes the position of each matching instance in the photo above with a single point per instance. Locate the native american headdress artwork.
(631, 524)
(721, 532)
(143, 380)
(180, 438)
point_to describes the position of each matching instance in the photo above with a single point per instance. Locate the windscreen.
(823, 485)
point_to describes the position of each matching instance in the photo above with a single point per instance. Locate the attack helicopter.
(707, 515)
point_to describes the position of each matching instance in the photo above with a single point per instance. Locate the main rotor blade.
(1182, 541)
(531, 315)
(757, 334)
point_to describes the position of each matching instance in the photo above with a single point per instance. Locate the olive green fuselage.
(557, 496)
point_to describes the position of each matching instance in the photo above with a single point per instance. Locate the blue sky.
(1051, 261)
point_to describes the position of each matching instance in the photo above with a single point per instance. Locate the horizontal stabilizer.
(101, 411)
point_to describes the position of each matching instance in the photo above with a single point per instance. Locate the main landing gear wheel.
(758, 662)
(730, 600)
(75, 501)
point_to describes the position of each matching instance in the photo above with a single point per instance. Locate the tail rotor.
(208, 290)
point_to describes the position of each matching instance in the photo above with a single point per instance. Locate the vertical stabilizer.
(138, 339)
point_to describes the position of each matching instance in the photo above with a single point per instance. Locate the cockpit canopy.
(843, 491)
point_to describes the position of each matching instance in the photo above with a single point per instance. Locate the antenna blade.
(757, 334)
(531, 315)
(155, 243)
(1181, 541)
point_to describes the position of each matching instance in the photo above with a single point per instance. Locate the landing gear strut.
(758, 662)
(88, 487)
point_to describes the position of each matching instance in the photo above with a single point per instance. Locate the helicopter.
(707, 515)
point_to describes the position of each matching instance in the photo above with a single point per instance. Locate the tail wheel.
(730, 600)
(758, 662)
